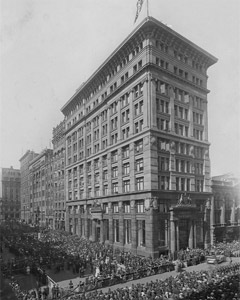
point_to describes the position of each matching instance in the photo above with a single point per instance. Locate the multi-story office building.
(225, 210)
(137, 149)
(41, 189)
(10, 194)
(58, 175)
(25, 189)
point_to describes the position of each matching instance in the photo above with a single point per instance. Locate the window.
(138, 126)
(105, 208)
(140, 206)
(104, 161)
(126, 169)
(105, 190)
(96, 163)
(126, 186)
(115, 188)
(139, 146)
(97, 191)
(89, 167)
(163, 163)
(105, 175)
(126, 207)
(97, 178)
(114, 156)
(199, 185)
(115, 208)
(164, 183)
(115, 172)
(125, 133)
(140, 184)
(139, 165)
(125, 152)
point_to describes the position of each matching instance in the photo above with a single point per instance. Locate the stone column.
(102, 238)
(94, 230)
(223, 209)
(190, 240)
(172, 234)
(67, 219)
(121, 225)
(152, 230)
(194, 235)
(86, 222)
(134, 227)
(177, 235)
(110, 223)
(233, 209)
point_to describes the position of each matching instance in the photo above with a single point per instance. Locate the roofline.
(144, 21)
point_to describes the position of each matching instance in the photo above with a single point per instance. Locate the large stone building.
(225, 209)
(137, 149)
(10, 205)
(58, 142)
(41, 189)
(25, 189)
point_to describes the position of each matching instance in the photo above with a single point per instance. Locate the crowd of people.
(105, 267)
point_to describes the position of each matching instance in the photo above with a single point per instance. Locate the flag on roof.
(139, 7)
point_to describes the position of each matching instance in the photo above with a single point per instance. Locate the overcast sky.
(49, 47)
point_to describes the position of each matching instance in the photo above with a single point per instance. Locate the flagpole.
(147, 9)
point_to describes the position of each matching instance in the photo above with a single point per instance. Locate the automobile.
(216, 259)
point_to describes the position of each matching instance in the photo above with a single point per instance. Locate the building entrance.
(183, 233)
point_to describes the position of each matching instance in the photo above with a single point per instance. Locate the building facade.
(137, 150)
(10, 205)
(41, 189)
(25, 188)
(225, 218)
(59, 176)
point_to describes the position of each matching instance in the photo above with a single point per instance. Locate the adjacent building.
(41, 189)
(58, 142)
(137, 151)
(25, 188)
(225, 210)
(10, 205)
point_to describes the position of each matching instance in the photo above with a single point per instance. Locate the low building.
(25, 187)
(10, 205)
(225, 210)
(41, 189)
(59, 202)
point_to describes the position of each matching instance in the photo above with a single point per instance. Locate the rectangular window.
(115, 188)
(140, 206)
(126, 186)
(139, 165)
(140, 184)
(114, 156)
(126, 169)
(164, 183)
(105, 190)
(139, 146)
(115, 172)
(126, 207)
(125, 152)
(115, 208)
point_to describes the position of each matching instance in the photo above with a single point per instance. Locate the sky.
(48, 48)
